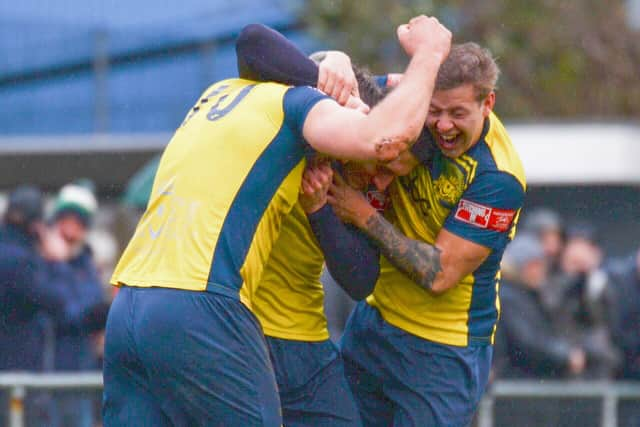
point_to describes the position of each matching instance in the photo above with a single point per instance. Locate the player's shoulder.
(496, 154)
(298, 101)
(304, 93)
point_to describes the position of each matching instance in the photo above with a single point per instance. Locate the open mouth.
(448, 142)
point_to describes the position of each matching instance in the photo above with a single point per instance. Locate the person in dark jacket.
(528, 345)
(72, 216)
(26, 294)
(581, 300)
(33, 268)
(625, 277)
(24, 281)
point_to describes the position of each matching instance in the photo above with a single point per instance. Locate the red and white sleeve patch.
(378, 200)
(484, 216)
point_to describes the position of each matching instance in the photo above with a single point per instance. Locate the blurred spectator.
(104, 246)
(23, 280)
(547, 225)
(34, 269)
(581, 300)
(625, 277)
(527, 344)
(26, 295)
(73, 212)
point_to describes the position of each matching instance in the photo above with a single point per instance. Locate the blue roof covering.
(159, 61)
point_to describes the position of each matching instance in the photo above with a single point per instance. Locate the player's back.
(228, 176)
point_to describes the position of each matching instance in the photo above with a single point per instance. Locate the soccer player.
(182, 346)
(416, 357)
(289, 303)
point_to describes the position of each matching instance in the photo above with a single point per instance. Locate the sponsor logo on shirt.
(483, 216)
(378, 200)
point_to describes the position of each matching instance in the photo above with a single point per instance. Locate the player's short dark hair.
(370, 92)
(469, 63)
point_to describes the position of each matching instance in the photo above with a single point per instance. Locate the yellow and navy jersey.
(289, 299)
(477, 196)
(228, 176)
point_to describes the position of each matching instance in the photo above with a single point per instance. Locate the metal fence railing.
(610, 393)
(19, 383)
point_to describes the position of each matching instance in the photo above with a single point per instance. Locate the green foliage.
(571, 58)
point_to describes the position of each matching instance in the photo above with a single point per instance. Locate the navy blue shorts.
(183, 358)
(399, 379)
(313, 388)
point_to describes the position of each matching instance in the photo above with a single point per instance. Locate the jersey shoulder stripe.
(241, 222)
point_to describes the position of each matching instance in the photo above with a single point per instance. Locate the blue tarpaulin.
(160, 55)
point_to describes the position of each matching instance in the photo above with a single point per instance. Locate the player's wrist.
(318, 56)
(426, 55)
(312, 208)
(366, 212)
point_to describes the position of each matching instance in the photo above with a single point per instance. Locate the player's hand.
(315, 185)
(336, 77)
(388, 149)
(426, 34)
(349, 204)
(52, 246)
(358, 104)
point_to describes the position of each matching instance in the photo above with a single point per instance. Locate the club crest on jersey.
(484, 216)
(449, 188)
(378, 200)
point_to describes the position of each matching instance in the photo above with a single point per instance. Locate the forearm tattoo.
(418, 260)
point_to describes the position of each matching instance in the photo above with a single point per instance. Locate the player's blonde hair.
(468, 63)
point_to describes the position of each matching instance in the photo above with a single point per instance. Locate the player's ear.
(488, 103)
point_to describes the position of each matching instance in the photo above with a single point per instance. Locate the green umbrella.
(139, 186)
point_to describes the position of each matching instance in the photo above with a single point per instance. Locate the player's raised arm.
(397, 121)
(263, 54)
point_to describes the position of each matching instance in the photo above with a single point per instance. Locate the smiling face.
(463, 98)
(456, 118)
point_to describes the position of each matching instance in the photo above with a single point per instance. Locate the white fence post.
(610, 409)
(485, 412)
(16, 406)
